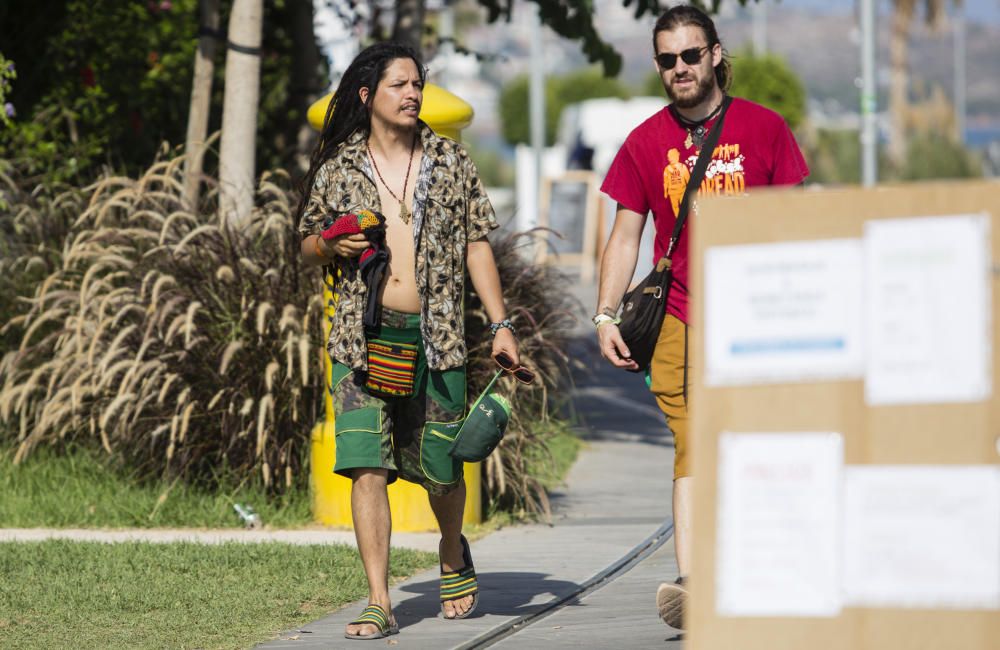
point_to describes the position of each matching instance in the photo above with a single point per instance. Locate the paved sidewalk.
(617, 495)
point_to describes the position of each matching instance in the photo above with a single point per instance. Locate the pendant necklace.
(404, 212)
(696, 130)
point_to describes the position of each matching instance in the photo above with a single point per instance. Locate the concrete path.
(617, 496)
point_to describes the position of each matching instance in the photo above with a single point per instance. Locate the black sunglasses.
(667, 60)
(520, 373)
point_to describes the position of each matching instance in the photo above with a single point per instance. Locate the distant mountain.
(822, 46)
(824, 51)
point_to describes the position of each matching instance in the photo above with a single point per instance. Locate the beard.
(699, 94)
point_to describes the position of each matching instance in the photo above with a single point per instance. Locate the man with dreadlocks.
(399, 384)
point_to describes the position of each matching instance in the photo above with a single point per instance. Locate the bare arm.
(617, 267)
(343, 246)
(486, 282)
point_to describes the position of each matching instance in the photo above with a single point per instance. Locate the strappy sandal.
(377, 616)
(461, 583)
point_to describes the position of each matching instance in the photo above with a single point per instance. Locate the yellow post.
(447, 115)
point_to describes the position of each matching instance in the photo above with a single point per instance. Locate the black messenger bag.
(644, 307)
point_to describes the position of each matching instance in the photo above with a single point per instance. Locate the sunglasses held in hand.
(690, 56)
(520, 373)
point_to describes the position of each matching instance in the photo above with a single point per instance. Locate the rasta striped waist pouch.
(392, 368)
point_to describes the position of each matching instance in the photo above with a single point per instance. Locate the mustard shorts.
(671, 376)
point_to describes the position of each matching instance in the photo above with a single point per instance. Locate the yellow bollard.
(331, 495)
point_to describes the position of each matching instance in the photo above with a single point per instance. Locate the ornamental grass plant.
(185, 349)
(178, 344)
(543, 313)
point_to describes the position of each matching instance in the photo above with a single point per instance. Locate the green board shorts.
(408, 436)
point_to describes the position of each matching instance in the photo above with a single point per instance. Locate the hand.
(344, 245)
(505, 342)
(613, 348)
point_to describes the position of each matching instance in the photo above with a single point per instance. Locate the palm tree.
(239, 111)
(899, 78)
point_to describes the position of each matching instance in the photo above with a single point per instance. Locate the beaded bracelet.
(496, 327)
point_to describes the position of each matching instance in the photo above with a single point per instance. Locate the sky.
(978, 10)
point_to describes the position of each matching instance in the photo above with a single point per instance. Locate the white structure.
(598, 124)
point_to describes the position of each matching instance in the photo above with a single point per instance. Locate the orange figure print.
(675, 179)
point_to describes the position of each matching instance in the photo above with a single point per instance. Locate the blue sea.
(979, 137)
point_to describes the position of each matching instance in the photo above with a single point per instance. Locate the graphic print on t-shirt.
(675, 179)
(724, 175)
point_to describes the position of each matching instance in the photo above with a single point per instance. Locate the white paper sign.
(927, 284)
(783, 312)
(922, 536)
(778, 529)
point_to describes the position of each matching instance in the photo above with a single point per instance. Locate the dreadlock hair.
(688, 15)
(346, 112)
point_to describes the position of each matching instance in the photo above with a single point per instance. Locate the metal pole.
(536, 90)
(869, 98)
(758, 12)
(446, 32)
(960, 65)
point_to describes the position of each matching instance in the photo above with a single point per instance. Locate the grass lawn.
(79, 490)
(61, 594)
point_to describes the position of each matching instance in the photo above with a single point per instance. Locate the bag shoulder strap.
(694, 182)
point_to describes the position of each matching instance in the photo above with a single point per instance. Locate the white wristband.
(604, 319)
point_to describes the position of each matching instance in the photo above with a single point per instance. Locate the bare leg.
(683, 498)
(372, 529)
(671, 598)
(449, 509)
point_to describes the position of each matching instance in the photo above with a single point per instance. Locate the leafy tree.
(572, 19)
(560, 92)
(770, 81)
(102, 83)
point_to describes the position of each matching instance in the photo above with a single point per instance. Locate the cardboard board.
(949, 433)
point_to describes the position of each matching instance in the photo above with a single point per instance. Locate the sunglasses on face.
(520, 373)
(690, 56)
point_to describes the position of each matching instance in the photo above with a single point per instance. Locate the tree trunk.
(201, 97)
(899, 78)
(239, 111)
(305, 80)
(409, 24)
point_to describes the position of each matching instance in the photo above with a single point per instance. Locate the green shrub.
(835, 158)
(935, 155)
(560, 92)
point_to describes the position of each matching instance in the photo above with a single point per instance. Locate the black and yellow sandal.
(461, 583)
(377, 616)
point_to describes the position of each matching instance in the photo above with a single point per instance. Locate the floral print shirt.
(450, 210)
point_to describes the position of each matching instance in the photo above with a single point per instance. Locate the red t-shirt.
(651, 171)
